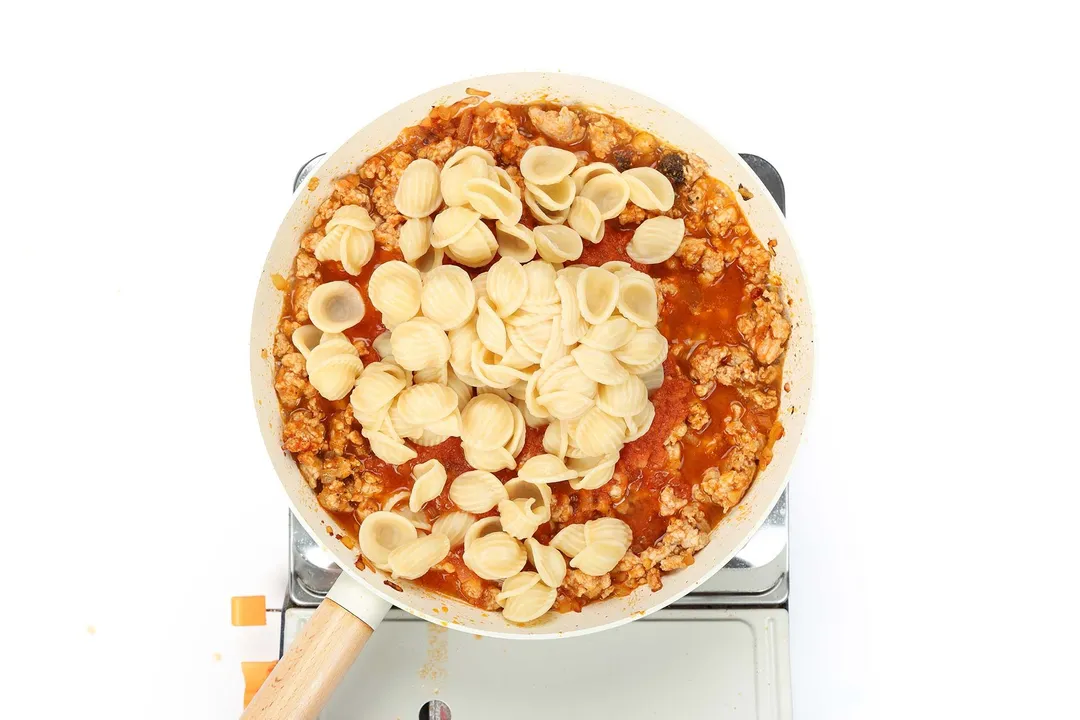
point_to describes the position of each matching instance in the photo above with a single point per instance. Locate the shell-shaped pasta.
(381, 533)
(490, 328)
(330, 346)
(418, 519)
(564, 405)
(598, 559)
(453, 177)
(640, 423)
(545, 468)
(448, 297)
(415, 238)
(609, 192)
(598, 293)
(453, 525)
(490, 460)
(517, 439)
(357, 247)
(556, 439)
(556, 349)
(585, 219)
(425, 403)
(534, 336)
(414, 558)
(461, 345)
(593, 473)
(387, 448)
(476, 248)
(519, 518)
(451, 225)
(477, 491)
(449, 426)
(647, 349)
(461, 389)
(544, 165)
(335, 378)
(649, 189)
(585, 173)
(547, 217)
(428, 481)
(487, 422)
(529, 605)
(597, 433)
(502, 177)
(653, 379)
(373, 393)
(438, 374)
(329, 247)
(418, 192)
(548, 561)
(515, 241)
(351, 216)
(480, 286)
(637, 300)
(420, 343)
(566, 375)
(305, 338)
(492, 200)
(555, 197)
(507, 284)
(541, 278)
(570, 540)
(394, 290)
(490, 372)
(519, 489)
(469, 151)
(516, 585)
(530, 420)
(624, 400)
(520, 346)
(609, 529)
(335, 306)
(557, 243)
(495, 556)
(571, 324)
(609, 335)
(599, 366)
(430, 260)
(656, 239)
(483, 527)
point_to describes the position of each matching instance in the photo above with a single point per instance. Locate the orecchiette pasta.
(649, 189)
(625, 399)
(412, 559)
(653, 379)
(492, 200)
(598, 293)
(477, 491)
(555, 197)
(502, 177)
(305, 338)
(415, 238)
(609, 192)
(483, 527)
(394, 504)
(448, 297)
(640, 423)
(545, 468)
(515, 241)
(334, 378)
(495, 556)
(453, 525)
(453, 177)
(507, 284)
(598, 559)
(570, 540)
(520, 489)
(348, 239)
(609, 335)
(599, 365)
(451, 225)
(656, 239)
(487, 422)
(541, 280)
(490, 328)
(637, 300)
(418, 192)
(428, 481)
(374, 391)
(556, 439)
(492, 460)
(557, 243)
(335, 306)
(544, 165)
(593, 473)
(547, 217)
(609, 529)
(585, 219)
(548, 561)
(519, 518)
(381, 533)
(585, 173)
(516, 585)
(643, 352)
(394, 290)
(387, 447)
(420, 343)
(598, 433)
(529, 605)
(475, 248)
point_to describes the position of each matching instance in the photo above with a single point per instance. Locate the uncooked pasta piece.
(490, 328)
(599, 366)
(598, 433)
(649, 189)
(418, 192)
(475, 248)
(495, 556)
(507, 285)
(585, 219)
(453, 178)
(335, 306)
(305, 338)
(545, 468)
(381, 533)
(415, 238)
(451, 225)
(557, 243)
(637, 300)
(598, 293)
(555, 197)
(529, 605)
(585, 173)
(521, 489)
(656, 240)
(492, 200)
(609, 335)
(394, 290)
(548, 561)
(593, 473)
(547, 217)
(415, 557)
(515, 241)
(570, 540)
(429, 478)
(643, 352)
(482, 527)
(448, 297)
(625, 399)
(519, 518)
(487, 422)
(477, 491)
(420, 343)
(609, 192)
(544, 165)
(424, 403)
(453, 525)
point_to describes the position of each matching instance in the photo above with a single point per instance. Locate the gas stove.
(721, 651)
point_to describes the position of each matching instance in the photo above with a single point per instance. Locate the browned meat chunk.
(291, 381)
(306, 265)
(698, 418)
(673, 167)
(686, 533)
(302, 289)
(302, 432)
(633, 572)
(441, 151)
(670, 503)
(726, 485)
(580, 585)
(604, 134)
(560, 125)
(765, 327)
(731, 365)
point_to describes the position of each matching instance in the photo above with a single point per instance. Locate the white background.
(930, 154)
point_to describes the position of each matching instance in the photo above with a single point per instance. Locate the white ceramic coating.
(765, 219)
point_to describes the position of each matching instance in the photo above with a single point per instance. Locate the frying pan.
(305, 677)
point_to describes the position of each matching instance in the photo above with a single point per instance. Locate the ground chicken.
(698, 254)
(686, 533)
(364, 508)
(698, 417)
(632, 215)
(632, 572)
(665, 288)
(726, 485)
(670, 503)
(302, 289)
(291, 383)
(386, 183)
(761, 399)
(282, 344)
(719, 221)
(498, 132)
(440, 151)
(673, 444)
(765, 327)
(476, 591)
(306, 265)
(561, 512)
(580, 585)
(303, 431)
(349, 191)
(754, 260)
(604, 134)
(731, 365)
(326, 210)
(310, 240)
(342, 432)
(562, 125)
(389, 230)
(310, 467)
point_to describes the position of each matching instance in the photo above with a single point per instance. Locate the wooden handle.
(312, 667)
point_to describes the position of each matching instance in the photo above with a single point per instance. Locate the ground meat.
(441, 151)
(632, 572)
(604, 134)
(349, 191)
(498, 132)
(578, 584)
(665, 288)
(302, 289)
(617, 486)
(335, 495)
(718, 222)
(291, 383)
(632, 215)
(445, 566)
(697, 253)
(387, 182)
(342, 432)
(364, 508)
(761, 399)
(310, 240)
(476, 590)
(731, 365)
(326, 211)
(673, 444)
(310, 467)
(561, 511)
(698, 418)
(306, 265)
(562, 125)
(282, 344)
(754, 260)
(303, 432)
(670, 503)
(726, 485)
(672, 166)
(765, 327)
(389, 230)
(686, 534)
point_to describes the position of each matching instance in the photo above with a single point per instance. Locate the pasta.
(637, 300)
(530, 604)
(453, 525)
(428, 481)
(640, 423)
(643, 352)
(609, 335)
(519, 489)
(570, 540)
(490, 372)
(597, 294)
(548, 561)
(305, 338)
(649, 189)
(557, 243)
(412, 559)
(420, 343)
(515, 241)
(585, 219)
(545, 165)
(475, 248)
(573, 326)
(381, 533)
(495, 556)
(394, 290)
(418, 518)
(653, 379)
(430, 260)
(593, 473)
(388, 448)
(599, 365)
(609, 529)
(598, 433)
(348, 239)
(506, 182)
(440, 375)
(609, 193)
(477, 491)
(352, 216)
(556, 439)
(545, 469)
(553, 217)
(451, 225)
(598, 559)
(555, 197)
(335, 306)
(492, 200)
(519, 518)
(418, 192)
(516, 585)
(415, 239)
(482, 528)
(334, 377)
(585, 173)
(656, 240)
(541, 279)
(426, 403)
(487, 422)
(507, 284)
(374, 391)
(492, 460)
(454, 176)
(448, 297)
(625, 399)
(490, 328)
